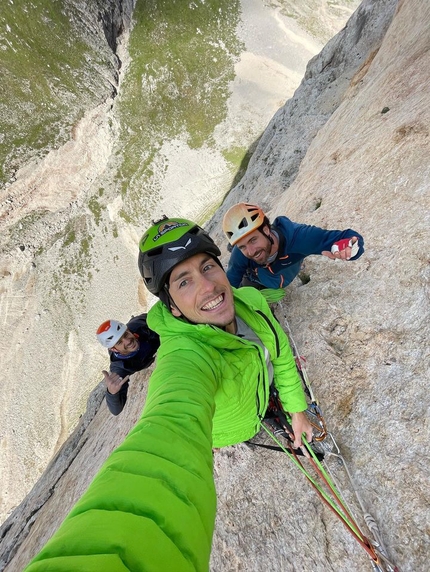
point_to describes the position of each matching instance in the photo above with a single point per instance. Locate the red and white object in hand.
(345, 243)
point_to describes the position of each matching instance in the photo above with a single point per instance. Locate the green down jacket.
(151, 507)
(236, 367)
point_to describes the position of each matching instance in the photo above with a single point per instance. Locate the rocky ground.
(351, 148)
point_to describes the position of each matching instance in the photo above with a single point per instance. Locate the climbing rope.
(323, 447)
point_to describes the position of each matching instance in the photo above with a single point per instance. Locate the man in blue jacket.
(132, 347)
(270, 255)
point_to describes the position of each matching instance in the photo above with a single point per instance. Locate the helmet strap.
(171, 304)
(167, 299)
(268, 236)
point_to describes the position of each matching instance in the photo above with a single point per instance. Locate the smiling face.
(257, 246)
(202, 293)
(126, 344)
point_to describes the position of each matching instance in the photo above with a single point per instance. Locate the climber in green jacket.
(152, 505)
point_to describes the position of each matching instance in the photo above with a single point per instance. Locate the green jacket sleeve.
(152, 505)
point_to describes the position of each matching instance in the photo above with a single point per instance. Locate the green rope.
(329, 500)
(327, 476)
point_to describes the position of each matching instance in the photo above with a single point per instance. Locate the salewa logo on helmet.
(166, 227)
(175, 248)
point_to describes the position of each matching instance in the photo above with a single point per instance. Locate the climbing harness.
(319, 455)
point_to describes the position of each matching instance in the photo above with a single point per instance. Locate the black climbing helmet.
(167, 243)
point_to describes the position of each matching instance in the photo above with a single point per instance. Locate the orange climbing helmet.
(240, 220)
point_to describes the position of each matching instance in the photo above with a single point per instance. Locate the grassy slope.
(50, 65)
(182, 60)
(55, 61)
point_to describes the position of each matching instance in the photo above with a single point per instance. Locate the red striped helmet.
(110, 332)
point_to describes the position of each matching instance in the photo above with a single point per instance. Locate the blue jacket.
(296, 242)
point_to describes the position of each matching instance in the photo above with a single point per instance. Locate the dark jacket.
(296, 241)
(123, 366)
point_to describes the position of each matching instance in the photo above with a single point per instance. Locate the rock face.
(68, 476)
(362, 326)
(329, 75)
(350, 149)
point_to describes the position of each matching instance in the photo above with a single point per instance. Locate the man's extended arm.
(152, 505)
(306, 239)
(289, 386)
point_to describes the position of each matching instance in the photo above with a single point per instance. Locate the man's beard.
(265, 255)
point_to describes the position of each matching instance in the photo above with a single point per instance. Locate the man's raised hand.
(343, 249)
(114, 382)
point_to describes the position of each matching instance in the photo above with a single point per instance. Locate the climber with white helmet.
(132, 347)
(266, 255)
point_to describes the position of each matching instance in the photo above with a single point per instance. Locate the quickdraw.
(277, 425)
